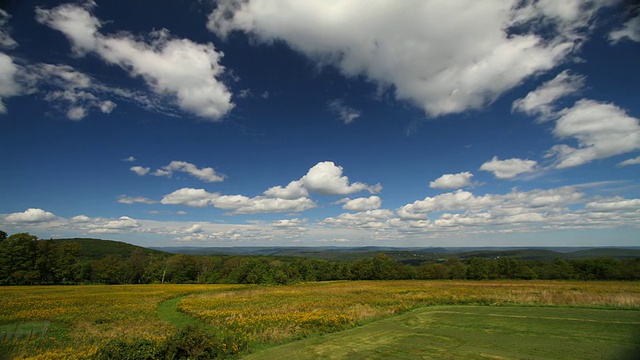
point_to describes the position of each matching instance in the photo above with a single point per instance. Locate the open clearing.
(479, 332)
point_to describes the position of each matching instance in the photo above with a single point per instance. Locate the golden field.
(83, 318)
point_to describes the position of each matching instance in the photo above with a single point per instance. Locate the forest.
(27, 260)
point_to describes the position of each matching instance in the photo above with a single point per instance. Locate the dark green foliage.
(192, 342)
(132, 350)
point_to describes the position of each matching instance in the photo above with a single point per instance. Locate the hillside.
(93, 249)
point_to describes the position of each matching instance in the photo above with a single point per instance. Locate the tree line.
(26, 260)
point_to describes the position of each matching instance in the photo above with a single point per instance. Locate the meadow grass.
(249, 318)
(271, 315)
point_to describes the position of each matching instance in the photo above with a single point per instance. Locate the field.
(479, 332)
(201, 321)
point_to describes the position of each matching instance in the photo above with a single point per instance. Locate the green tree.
(456, 269)
(18, 256)
(477, 268)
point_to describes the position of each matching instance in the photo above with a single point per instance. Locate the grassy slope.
(473, 332)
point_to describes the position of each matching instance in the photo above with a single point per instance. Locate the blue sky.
(282, 122)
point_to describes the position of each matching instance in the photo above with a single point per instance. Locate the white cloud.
(613, 204)
(194, 229)
(31, 215)
(129, 159)
(124, 199)
(206, 174)
(239, 204)
(602, 130)
(346, 113)
(540, 101)
(443, 56)
(452, 181)
(294, 190)
(498, 206)
(368, 219)
(121, 225)
(633, 161)
(187, 71)
(629, 30)
(258, 205)
(509, 168)
(70, 90)
(362, 204)
(8, 85)
(80, 219)
(141, 171)
(326, 178)
(459, 200)
(189, 197)
(289, 223)
(6, 41)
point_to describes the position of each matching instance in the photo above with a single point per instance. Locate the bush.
(191, 342)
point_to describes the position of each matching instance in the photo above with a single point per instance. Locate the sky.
(411, 123)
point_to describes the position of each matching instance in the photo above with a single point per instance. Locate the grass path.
(479, 332)
(168, 312)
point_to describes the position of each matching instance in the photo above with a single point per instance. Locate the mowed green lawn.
(479, 332)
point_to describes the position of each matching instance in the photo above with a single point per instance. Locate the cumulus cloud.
(124, 199)
(294, 190)
(194, 229)
(289, 223)
(326, 178)
(362, 204)
(509, 168)
(206, 174)
(31, 215)
(540, 101)
(445, 57)
(189, 197)
(186, 71)
(498, 206)
(602, 130)
(367, 219)
(80, 219)
(129, 159)
(633, 161)
(452, 181)
(121, 225)
(141, 171)
(257, 205)
(239, 204)
(346, 113)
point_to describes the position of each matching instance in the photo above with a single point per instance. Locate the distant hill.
(93, 249)
(414, 256)
(97, 249)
